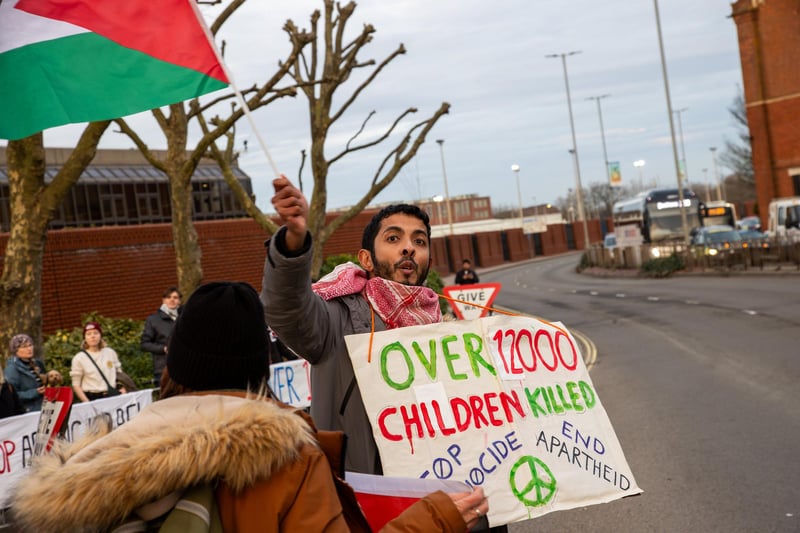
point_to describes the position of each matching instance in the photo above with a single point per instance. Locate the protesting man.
(386, 293)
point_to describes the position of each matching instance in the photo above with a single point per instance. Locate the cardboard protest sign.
(290, 381)
(502, 402)
(464, 297)
(55, 409)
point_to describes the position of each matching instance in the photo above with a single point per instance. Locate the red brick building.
(769, 47)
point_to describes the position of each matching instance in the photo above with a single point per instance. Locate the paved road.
(701, 379)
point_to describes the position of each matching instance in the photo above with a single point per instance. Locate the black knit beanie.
(220, 339)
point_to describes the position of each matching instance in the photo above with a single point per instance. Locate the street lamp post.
(639, 163)
(515, 170)
(716, 172)
(684, 220)
(708, 187)
(579, 190)
(446, 192)
(683, 148)
(602, 132)
(438, 199)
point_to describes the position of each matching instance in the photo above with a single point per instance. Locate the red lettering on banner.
(382, 424)
(525, 347)
(473, 412)
(8, 447)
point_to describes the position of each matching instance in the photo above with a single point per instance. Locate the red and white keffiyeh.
(398, 305)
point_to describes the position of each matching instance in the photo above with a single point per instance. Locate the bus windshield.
(668, 224)
(719, 214)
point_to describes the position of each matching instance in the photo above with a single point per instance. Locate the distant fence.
(776, 256)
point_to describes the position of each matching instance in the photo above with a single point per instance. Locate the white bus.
(718, 214)
(657, 214)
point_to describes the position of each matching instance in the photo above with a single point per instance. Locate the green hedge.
(663, 267)
(123, 335)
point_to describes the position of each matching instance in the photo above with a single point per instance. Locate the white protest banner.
(18, 433)
(505, 403)
(290, 381)
(462, 298)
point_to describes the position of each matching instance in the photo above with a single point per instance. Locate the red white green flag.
(68, 61)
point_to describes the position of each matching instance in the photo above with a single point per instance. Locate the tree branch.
(225, 15)
(376, 141)
(223, 160)
(400, 50)
(400, 160)
(140, 144)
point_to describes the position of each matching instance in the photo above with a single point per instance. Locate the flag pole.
(236, 90)
(252, 122)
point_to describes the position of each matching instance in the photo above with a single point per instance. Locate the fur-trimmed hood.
(94, 483)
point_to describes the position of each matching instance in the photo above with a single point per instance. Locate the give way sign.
(471, 301)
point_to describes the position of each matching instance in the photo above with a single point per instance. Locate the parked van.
(784, 219)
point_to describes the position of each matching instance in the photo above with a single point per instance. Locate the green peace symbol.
(542, 481)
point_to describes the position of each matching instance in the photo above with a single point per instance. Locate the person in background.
(10, 404)
(157, 329)
(210, 450)
(466, 276)
(27, 374)
(94, 368)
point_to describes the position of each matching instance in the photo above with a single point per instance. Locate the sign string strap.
(371, 331)
(494, 309)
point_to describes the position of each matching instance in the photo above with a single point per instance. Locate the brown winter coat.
(269, 470)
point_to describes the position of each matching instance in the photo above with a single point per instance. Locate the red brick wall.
(554, 240)
(439, 254)
(489, 250)
(121, 271)
(519, 248)
(769, 45)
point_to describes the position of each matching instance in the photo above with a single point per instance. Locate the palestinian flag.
(67, 61)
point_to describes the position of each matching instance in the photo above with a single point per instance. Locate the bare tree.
(738, 154)
(320, 74)
(33, 204)
(180, 163)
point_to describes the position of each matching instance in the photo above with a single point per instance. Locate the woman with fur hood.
(210, 456)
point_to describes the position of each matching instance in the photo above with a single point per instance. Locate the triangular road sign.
(482, 294)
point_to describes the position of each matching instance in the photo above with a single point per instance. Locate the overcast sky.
(508, 102)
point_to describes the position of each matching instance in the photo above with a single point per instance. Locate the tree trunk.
(187, 246)
(33, 204)
(21, 281)
(319, 200)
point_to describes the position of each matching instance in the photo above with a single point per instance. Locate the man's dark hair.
(371, 231)
(467, 261)
(169, 291)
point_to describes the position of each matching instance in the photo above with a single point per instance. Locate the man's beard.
(385, 270)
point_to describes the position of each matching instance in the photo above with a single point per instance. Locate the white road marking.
(750, 312)
(620, 295)
(653, 298)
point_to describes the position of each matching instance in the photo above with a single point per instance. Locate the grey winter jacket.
(157, 329)
(315, 330)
